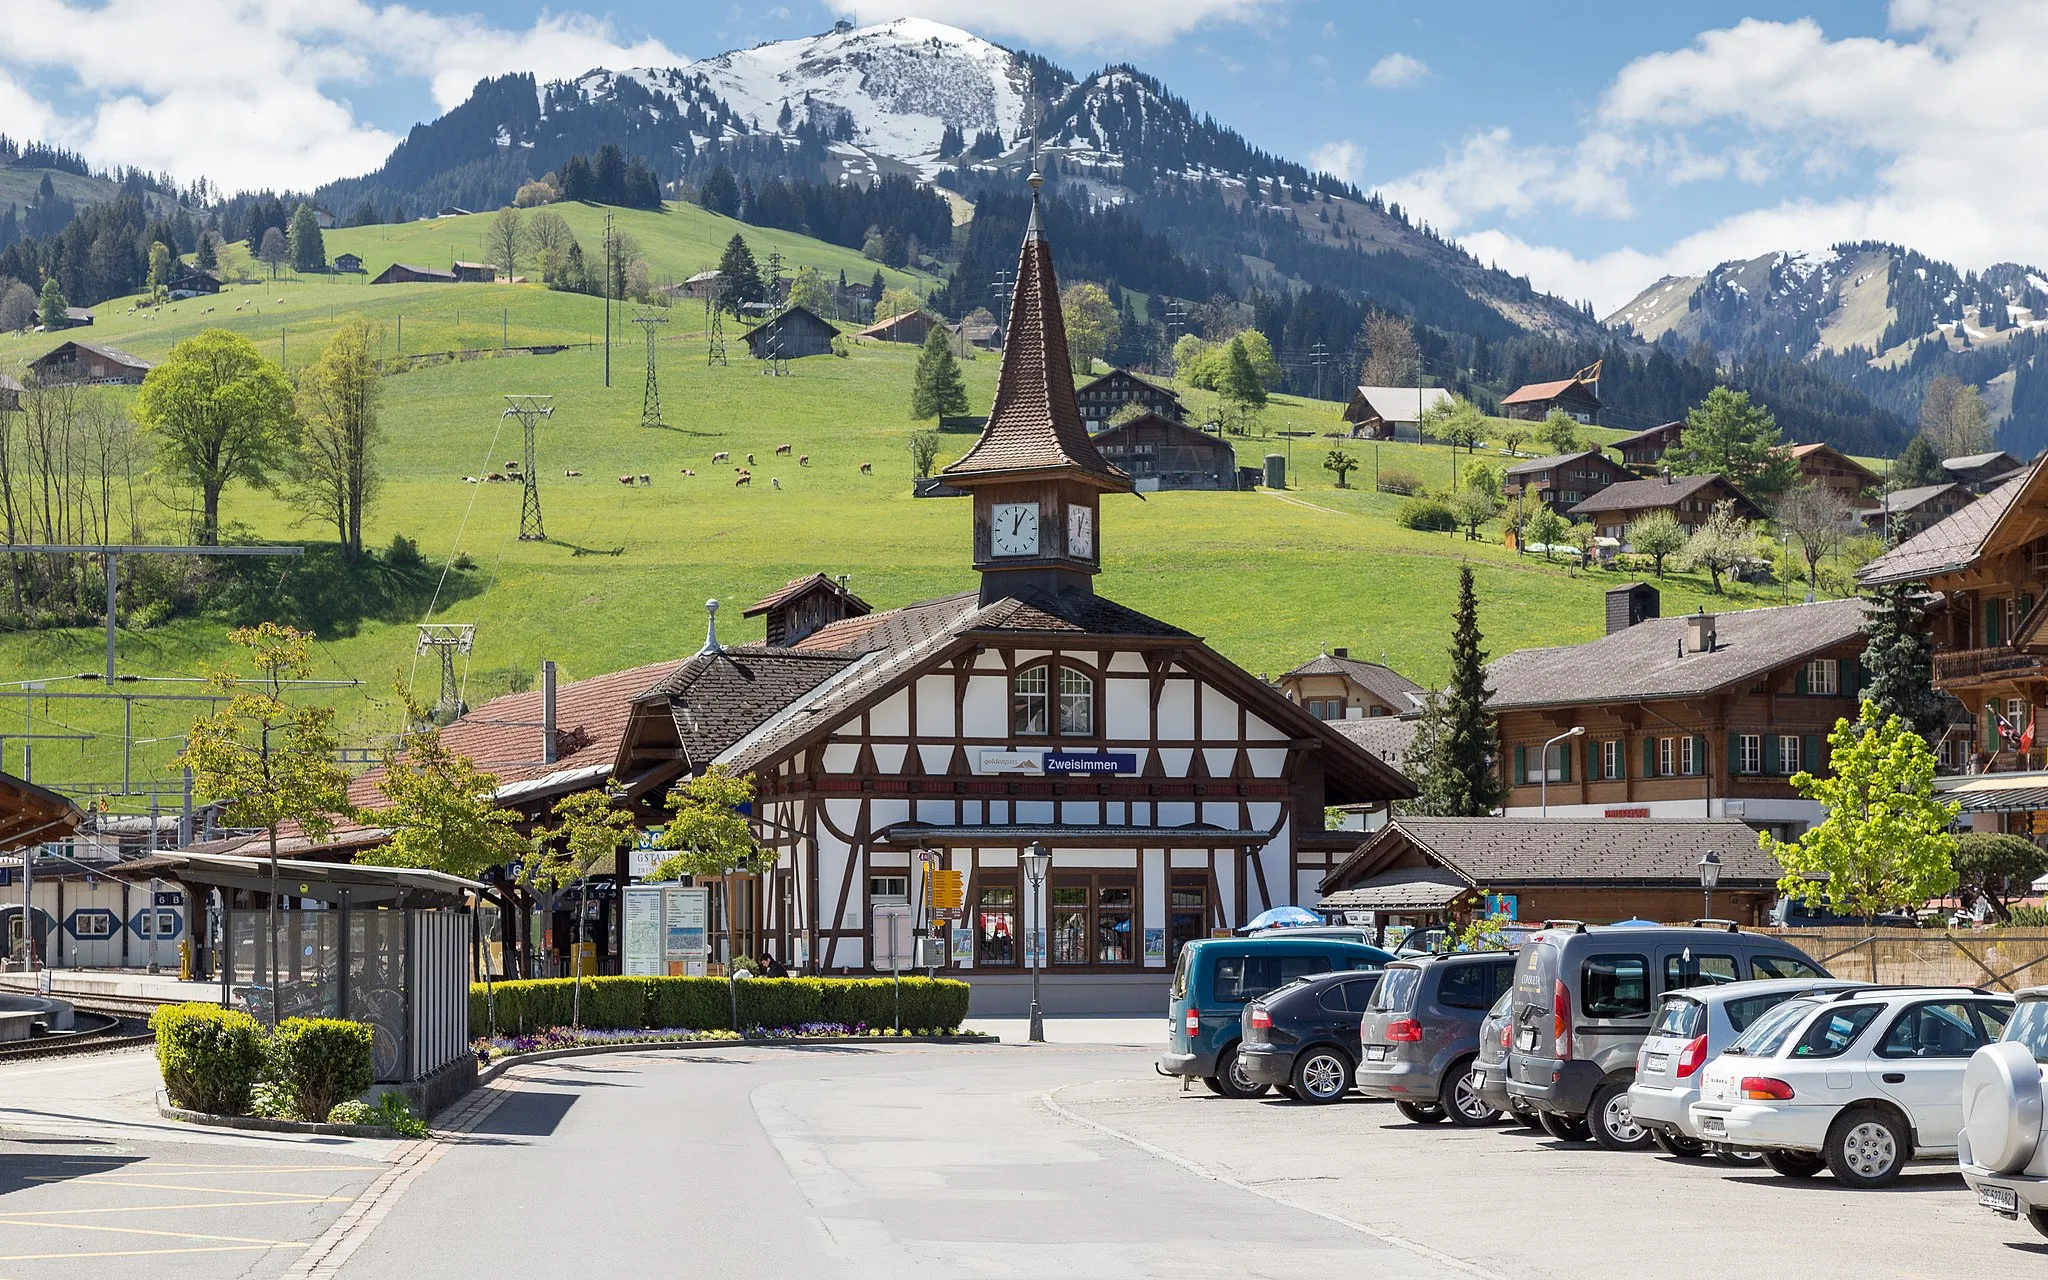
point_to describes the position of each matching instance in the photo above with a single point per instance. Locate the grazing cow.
(743, 480)
(867, 468)
(804, 461)
(511, 464)
(496, 477)
(646, 480)
(782, 449)
(469, 480)
(572, 473)
(688, 472)
(625, 479)
(721, 456)
(750, 459)
(774, 481)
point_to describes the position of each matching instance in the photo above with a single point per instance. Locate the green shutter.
(1810, 756)
(1592, 761)
(1564, 763)
(1771, 762)
(1734, 754)
(1852, 677)
(1799, 681)
(1649, 757)
(1521, 765)
(1994, 613)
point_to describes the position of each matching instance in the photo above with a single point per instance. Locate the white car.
(1858, 1082)
(2003, 1153)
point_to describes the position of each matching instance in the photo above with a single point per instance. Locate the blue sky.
(1592, 146)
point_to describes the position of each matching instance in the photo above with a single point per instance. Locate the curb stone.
(263, 1124)
(499, 1066)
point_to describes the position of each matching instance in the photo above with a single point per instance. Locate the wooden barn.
(1536, 401)
(192, 284)
(402, 273)
(1162, 454)
(791, 334)
(10, 395)
(1391, 413)
(1103, 398)
(909, 326)
(75, 363)
(476, 272)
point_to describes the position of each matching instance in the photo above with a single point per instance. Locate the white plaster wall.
(988, 708)
(936, 760)
(935, 706)
(1127, 710)
(890, 718)
(1221, 762)
(889, 756)
(840, 756)
(1177, 710)
(1219, 715)
(1267, 762)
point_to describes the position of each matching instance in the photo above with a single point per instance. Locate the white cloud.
(1936, 122)
(1340, 159)
(1068, 24)
(256, 92)
(1396, 71)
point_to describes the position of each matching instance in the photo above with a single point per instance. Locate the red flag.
(2027, 737)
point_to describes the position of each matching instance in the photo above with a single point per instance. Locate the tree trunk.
(209, 518)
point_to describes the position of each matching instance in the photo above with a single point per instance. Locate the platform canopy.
(365, 886)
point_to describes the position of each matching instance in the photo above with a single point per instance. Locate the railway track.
(119, 1022)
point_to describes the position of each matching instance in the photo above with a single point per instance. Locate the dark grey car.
(1420, 1034)
(1490, 1068)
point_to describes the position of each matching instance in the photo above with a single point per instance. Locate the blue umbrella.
(1282, 918)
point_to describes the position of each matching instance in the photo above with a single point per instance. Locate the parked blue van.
(1214, 979)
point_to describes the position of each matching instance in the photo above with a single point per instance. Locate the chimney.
(1629, 605)
(1699, 632)
(547, 711)
(1340, 652)
(711, 644)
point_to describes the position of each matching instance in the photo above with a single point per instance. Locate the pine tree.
(1898, 660)
(1457, 774)
(308, 247)
(1918, 464)
(938, 390)
(740, 274)
(205, 258)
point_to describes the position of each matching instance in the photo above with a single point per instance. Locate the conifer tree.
(1457, 777)
(1898, 660)
(938, 390)
(740, 273)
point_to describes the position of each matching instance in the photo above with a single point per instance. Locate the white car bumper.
(1661, 1106)
(1761, 1125)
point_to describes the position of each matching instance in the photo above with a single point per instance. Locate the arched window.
(1033, 707)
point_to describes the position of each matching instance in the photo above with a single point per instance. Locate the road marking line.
(164, 1168)
(325, 1257)
(1216, 1175)
(144, 1231)
(149, 1253)
(157, 1208)
(160, 1186)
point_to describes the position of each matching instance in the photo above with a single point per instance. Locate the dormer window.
(1033, 705)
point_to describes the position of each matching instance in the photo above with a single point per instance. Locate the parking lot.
(1513, 1202)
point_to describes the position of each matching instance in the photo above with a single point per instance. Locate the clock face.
(1080, 531)
(1013, 528)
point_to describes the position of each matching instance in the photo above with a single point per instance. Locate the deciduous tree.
(1818, 521)
(1240, 384)
(334, 471)
(1341, 464)
(1657, 535)
(17, 307)
(1391, 356)
(1883, 842)
(1474, 506)
(589, 828)
(1723, 542)
(1092, 323)
(1953, 418)
(506, 239)
(1547, 528)
(440, 809)
(1559, 432)
(273, 251)
(924, 449)
(548, 235)
(220, 412)
(1999, 866)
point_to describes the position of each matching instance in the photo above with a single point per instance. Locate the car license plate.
(2000, 1200)
(1375, 1053)
(1657, 1061)
(1527, 1039)
(1714, 1126)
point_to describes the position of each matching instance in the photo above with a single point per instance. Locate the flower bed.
(491, 1048)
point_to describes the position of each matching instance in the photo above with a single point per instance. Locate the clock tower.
(1036, 477)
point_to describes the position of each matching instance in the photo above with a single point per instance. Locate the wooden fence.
(1995, 959)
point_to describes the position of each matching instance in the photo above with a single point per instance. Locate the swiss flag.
(2027, 736)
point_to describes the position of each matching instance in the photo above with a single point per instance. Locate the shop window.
(1094, 919)
(995, 925)
(1187, 915)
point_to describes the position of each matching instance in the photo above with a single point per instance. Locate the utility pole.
(714, 322)
(535, 500)
(650, 399)
(447, 640)
(530, 410)
(1319, 356)
(1002, 287)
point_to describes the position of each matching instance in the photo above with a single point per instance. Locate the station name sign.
(1060, 763)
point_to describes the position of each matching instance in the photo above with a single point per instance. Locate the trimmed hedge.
(319, 1062)
(705, 1004)
(211, 1058)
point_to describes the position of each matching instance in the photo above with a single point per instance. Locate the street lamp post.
(1710, 875)
(1543, 762)
(1037, 858)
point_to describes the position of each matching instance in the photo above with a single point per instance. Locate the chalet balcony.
(1967, 667)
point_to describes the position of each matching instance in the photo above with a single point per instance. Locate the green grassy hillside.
(1267, 577)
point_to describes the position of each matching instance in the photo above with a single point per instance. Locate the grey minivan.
(1583, 1003)
(1420, 1034)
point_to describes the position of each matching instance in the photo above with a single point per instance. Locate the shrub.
(354, 1111)
(318, 1062)
(1405, 483)
(463, 560)
(396, 1114)
(705, 1004)
(1430, 515)
(404, 552)
(211, 1058)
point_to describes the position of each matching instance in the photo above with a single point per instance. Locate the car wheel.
(1677, 1144)
(2038, 1219)
(1421, 1112)
(1461, 1102)
(1321, 1075)
(1230, 1072)
(1566, 1128)
(1740, 1159)
(1795, 1164)
(1213, 1085)
(1867, 1148)
(1529, 1119)
(1614, 1123)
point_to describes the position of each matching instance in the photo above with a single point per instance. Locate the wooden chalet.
(10, 394)
(1827, 467)
(74, 363)
(192, 284)
(348, 262)
(1689, 499)
(1643, 452)
(1694, 716)
(1983, 472)
(475, 272)
(1106, 396)
(1562, 481)
(403, 273)
(1427, 871)
(1391, 413)
(790, 334)
(75, 318)
(1987, 562)
(1572, 397)
(909, 326)
(1337, 686)
(1159, 453)
(1908, 511)
(805, 605)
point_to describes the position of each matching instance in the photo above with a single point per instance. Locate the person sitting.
(771, 967)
